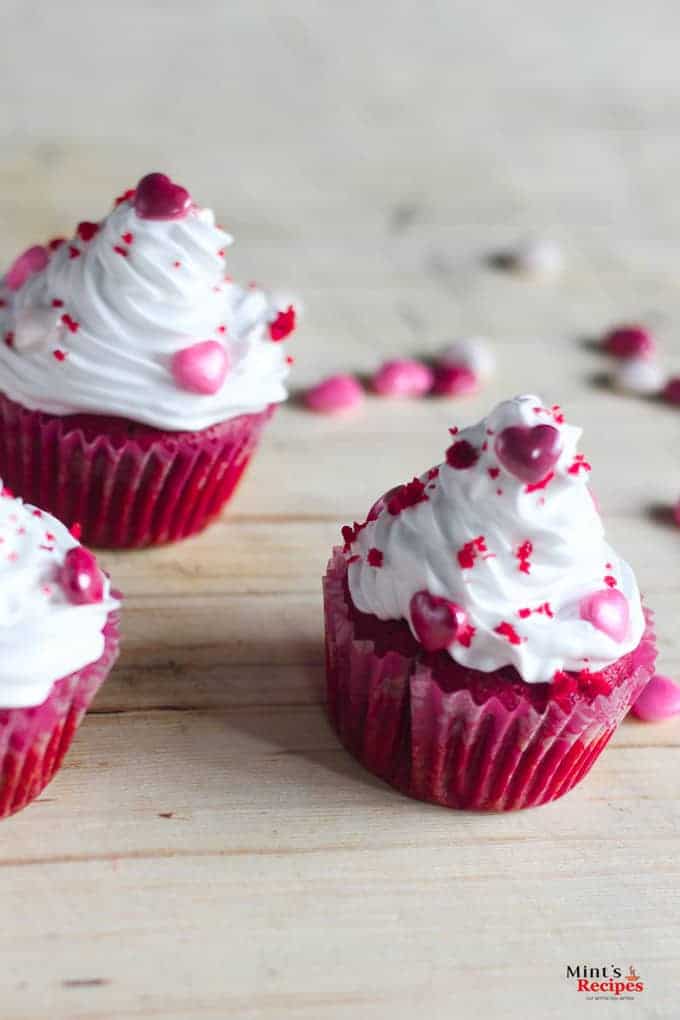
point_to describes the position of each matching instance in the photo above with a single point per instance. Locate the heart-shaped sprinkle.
(335, 395)
(201, 368)
(529, 453)
(158, 198)
(29, 262)
(435, 620)
(402, 377)
(81, 578)
(608, 611)
(659, 700)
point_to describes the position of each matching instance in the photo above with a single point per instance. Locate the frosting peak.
(499, 552)
(54, 602)
(95, 323)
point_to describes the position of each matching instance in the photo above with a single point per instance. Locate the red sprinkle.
(350, 533)
(76, 530)
(283, 325)
(9, 338)
(579, 464)
(59, 355)
(73, 252)
(222, 329)
(461, 455)
(610, 581)
(120, 251)
(55, 243)
(523, 555)
(130, 193)
(57, 303)
(177, 264)
(375, 557)
(86, 230)
(70, 323)
(494, 472)
(128, 237)
(290, 359)
(507, 630)
(544, 482)
(405, 496)
(467, 554)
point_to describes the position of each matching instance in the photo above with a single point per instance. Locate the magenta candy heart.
(435, 620)
(529, 453)
(29, 262)
(158, 198)
(659, 700)
(608, 611)
(81, 578)
(201, 368)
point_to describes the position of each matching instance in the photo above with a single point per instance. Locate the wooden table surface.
(208, 849)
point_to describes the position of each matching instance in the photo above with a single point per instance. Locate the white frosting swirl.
(43, 636)
(139, 290)
(568, 559)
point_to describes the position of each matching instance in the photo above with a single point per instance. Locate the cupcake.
(483, 640)
(58, 642)
(135, 377)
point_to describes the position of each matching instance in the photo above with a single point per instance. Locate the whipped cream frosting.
(519, 558)
(96, 330)
(43, 635)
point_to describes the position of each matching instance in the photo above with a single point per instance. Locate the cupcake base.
(440, 732)
(126, 484)
(33, 741)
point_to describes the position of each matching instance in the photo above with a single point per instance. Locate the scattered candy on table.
(659, 700)
(473, 353)
(335, 395)
(541, 258)
(629, 341)
(671, 391)
(402, 377)
(454, 381)
(643, 376)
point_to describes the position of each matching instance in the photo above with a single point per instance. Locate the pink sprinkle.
(610, 581)
(222, 329)
(629, 342)
(454, 381)
(334, 395)
(659, 700)
(402, 377)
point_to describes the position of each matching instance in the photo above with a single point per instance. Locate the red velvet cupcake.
(135, 378)
(58, 642)
(483, 640)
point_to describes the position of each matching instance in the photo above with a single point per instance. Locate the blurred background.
(380, 146)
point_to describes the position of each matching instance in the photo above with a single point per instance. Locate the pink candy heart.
(29, 262)
(608, 611)
(436, 621)
(629, 342)
(454, 381)
(201, 368)
(659, 700)
(81, 578)
(528, 452)
(158, 198)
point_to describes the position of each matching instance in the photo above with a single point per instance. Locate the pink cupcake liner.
(492, 745)
(33, 741)
(126, 484)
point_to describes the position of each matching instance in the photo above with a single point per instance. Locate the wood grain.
(208, 850)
